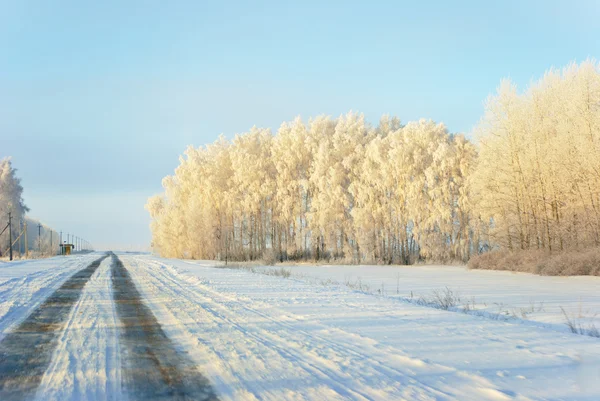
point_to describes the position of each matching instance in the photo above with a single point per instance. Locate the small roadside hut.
(66, 249)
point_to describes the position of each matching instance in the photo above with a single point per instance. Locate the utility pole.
(26, 244)
(51, 247)
(10, 233)
(61, 243)
(40, 238)
(21, 230)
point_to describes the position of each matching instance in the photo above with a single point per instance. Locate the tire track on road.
(26, 352)
(152, 368)
(314, 367)
(297, 345)
(21, 295)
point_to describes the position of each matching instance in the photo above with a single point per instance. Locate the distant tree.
(11, 200)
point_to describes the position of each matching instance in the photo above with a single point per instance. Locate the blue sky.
(98, 99)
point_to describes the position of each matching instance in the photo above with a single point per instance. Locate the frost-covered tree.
(339, 188)
(253, 189)
(41, 242)
(11, 200)
(331, 188)
(292, 159)
(336, 165)
(538, 174)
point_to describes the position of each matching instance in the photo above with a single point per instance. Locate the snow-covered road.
(25, 284)
(260, 337)
(86, 361)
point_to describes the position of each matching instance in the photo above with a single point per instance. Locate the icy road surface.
(146, 328)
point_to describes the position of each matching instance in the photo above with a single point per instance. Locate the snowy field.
(518, 297)
(314, 336)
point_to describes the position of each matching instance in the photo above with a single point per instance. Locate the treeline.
(340, 188)
(40, 242)
(44, 242)
(538, 174)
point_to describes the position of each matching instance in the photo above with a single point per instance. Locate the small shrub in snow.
(281, 272)
(358, 285)
(446, 298)
(268, 257)
(441, 299)
(577, 327)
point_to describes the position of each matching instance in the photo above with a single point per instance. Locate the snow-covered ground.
(266, 337)
(540, 300)
(260, 337)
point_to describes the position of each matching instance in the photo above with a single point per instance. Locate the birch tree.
(537, 177)
(11, 200)
(331, 188)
